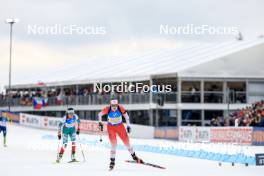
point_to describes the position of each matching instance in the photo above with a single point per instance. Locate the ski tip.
(145, 163)
(162, 167)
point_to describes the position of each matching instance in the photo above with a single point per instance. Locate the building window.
(166, 97)
(236, 92)
(191, 118)
(191, 92)
(214, 118)
(139, 117)
(167, 117)
(213, 92)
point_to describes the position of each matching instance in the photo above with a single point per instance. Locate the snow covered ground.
(33, 151)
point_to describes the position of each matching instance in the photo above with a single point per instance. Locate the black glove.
(78, 131)
(101, 126)
(128, 129)
(59, 135)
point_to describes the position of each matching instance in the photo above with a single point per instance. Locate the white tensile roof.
(217, 59)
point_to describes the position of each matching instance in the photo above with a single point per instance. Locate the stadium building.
(207, 80)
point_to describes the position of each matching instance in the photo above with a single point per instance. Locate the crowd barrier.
(86, 126)
(232, 135)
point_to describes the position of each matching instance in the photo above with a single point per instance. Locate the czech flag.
(37, 103)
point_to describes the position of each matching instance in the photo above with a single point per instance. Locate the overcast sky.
(130, 26)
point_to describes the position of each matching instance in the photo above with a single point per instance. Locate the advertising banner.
(51, 122)
(187, 134)
(238, 135)
(89, 126)
(13, 117)
(30, 120)
(166, 133)
(202, 134)
(258, 136)
(86, 126)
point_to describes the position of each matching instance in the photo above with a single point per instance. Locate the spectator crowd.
(250, 116)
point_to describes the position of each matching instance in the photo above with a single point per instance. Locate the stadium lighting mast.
(10, 21)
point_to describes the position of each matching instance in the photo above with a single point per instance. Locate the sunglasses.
(114, 106)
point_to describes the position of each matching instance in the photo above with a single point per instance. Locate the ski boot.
(135, 158)
(59, 158)
(73, 159)
(112, 164)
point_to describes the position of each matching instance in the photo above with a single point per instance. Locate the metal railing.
(92, 99)
(191, 97)
(133, 98)
(213, 97)
(237, 97)
(166, 97)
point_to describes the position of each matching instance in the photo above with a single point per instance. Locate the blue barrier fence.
(239, 158)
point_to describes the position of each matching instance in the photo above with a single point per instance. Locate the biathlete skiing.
(115, 126)
(68, 128)
(3, 126)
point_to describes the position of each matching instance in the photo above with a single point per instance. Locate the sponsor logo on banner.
(30, 120)
(202, 134)
(86, 126)
(194, 134)
(89, 126)
(39, 121)
(187, 134)
(51, 123)
(166, 133)
(46, 121)
(240, 135)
